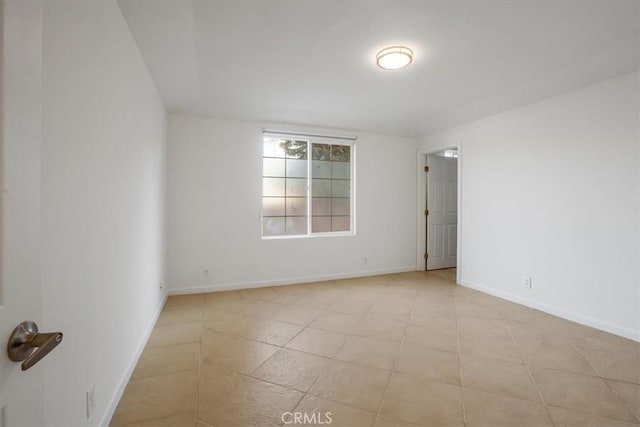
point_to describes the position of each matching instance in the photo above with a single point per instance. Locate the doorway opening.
(440, 210)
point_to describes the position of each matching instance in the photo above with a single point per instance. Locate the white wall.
(102, 205)
(214, 204)
(551, 190)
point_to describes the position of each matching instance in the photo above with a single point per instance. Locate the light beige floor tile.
(425, 317)
(232, 399)
(563, 417)
(432, 336)
(227, 322)
(351, 307)
(549, 350)
(246, 381)
(630, 393)
(161, 396)
(180, 314)
(474, 297)
(562, 327)
(576, 391)
(352, 384)
(234, 352)
(366, 293)
(369, 352)
(489, 345)
(396, 299)
(400, 312)
(224, 301)
(181, 333)
(608, 342)
(318, 341)
(270, 331)
(315, 301)
(472, 325)
(331, 413)
(428, 364)
(429, 403)
(260, 308)
(266, 294)
(447, 273)
(618, 365)
(383, 329)
(222, 296)
(517, 312)
(292, 369)
(498, 376)
(167, 360)
(181, 300)
(297, 314)
(185, 419)
(495, 410)
(336, 322)
(471, 309)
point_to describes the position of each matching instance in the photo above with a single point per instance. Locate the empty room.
(220, 213)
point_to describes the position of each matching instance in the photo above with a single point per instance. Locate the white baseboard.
(556, 311)
(113, 404)
(289, 281)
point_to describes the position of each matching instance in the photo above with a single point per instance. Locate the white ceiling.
(311, 62)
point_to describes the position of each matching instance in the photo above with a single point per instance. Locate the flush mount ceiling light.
(394, 57)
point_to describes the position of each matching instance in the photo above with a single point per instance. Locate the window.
(307, 187)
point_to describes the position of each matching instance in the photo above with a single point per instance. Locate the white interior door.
(442, 207)
(21, 395)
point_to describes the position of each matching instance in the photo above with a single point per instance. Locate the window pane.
(296, 187)
(340, 223)
(321, 187)
(340, 170)
(321, 169)
(273, 187)
(296, 206)
(321, 151)
(295, 149)
(340, 153)
(340, 206)
(321, 206)
(340, 188)
(321, 224)
(273, 167)
(273, 147)
(296, 225)
(273, 226)
(296, 168)
(273, 206)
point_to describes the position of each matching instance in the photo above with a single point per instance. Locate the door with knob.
(21, 392)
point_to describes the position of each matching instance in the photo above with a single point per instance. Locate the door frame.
(421, 203)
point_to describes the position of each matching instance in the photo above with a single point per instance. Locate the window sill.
(310, 236)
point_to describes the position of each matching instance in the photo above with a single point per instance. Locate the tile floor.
(409, 349)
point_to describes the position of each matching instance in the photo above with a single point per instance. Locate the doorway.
(441, 210)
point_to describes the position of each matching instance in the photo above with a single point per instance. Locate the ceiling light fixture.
(394, 57)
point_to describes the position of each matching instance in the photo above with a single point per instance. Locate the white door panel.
(21, 396)
(442, 204)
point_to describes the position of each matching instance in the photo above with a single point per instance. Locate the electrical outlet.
(527, 282)
(365, 260)
(161, 286)
(91, 400)
(205, 272)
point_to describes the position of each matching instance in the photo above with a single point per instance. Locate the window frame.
(309, 205)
